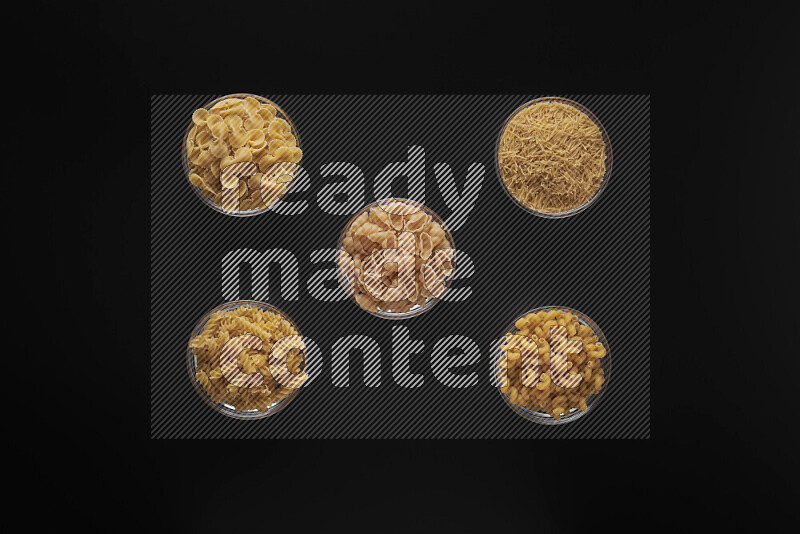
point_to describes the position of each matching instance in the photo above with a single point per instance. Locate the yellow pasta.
(234, 122)
(275, 144)
(219, 129)
(243, 154)
(199, 116)
(256, 138)
(238, 138)
(266, 161)
(254, 122)
(203, 138)
(237, 171)
(203, 159)
(224, 104)
(267, 113)
(212, 119)
(552, 157)
(295, 154)
(236, 130)
(278, 128)
(232, 358)
(235, 109)
(198, 181)
(218, 148)
(567, 367)
(283, 153)
(251, 105)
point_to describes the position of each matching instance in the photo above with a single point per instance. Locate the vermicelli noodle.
(552, 157)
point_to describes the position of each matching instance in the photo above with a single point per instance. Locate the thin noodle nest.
(552, 157)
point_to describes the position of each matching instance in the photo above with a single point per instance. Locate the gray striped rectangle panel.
(597, 262)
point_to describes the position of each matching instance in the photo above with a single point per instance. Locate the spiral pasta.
(233, 358)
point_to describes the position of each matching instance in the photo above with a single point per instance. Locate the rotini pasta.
(234, 364)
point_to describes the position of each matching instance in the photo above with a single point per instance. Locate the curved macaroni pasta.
(567, 367)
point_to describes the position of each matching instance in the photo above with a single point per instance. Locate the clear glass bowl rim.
(593, 399)
(609, 158)
(191, 364)
(431, 302)
(185, 158)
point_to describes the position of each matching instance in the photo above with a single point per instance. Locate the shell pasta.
(235, 130)
(396, 256)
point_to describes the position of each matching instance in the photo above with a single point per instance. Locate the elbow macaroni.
(550, 362)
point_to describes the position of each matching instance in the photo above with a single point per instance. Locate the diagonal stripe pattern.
(425, 377)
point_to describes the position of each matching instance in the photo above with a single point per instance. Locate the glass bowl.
(191, 364)
(574, 413)
(416, 309)
(187, 166)
(609, 159)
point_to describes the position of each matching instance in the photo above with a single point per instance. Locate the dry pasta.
(380, 281)
(552, 157)
(560, 373)
(236, 130)
(231, 366)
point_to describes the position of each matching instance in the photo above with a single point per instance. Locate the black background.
(725, 133)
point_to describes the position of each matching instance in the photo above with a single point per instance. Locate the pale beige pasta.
(278, 129)
(218, 148)
(552, 157)
(200, 116)
(392, 227)
(234, 122)
(235, 109)
(219, 129)
(251, 105)
(203, 138)
(275, 144)
(203, 159)
(254, 122)
(256, 138)
(238, 138)
(267, 113)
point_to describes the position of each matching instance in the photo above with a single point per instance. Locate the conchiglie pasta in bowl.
(246, 359)
(552, 365)
(241, 153)
(396, 258)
